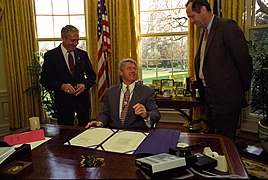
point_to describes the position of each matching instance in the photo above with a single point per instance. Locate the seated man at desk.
(128, 105)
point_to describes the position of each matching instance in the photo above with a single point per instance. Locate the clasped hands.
(138, 108)
(76, 90)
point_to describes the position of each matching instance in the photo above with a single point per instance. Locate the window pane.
(149, 71)
(161, 4)
(178, 4)
(76, 6)
(40, 4)
(44, 27)
(154, 4)
(164, 57)
(179, 21)
(164, 68)
(59, 23)
(82, 44)
(57, 43)
(60, 7)
(79, 22)
(164, 21)
(260, 40)
(44, 46)
(166, 47)
(261, 13)
(48, 45)
(50, 24)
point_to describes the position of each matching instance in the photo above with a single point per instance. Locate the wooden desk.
(53, 160)
(179, 103)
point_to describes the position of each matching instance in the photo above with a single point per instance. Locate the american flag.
(104, 47)
(217, 9)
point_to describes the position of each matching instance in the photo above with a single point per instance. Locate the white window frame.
(250, 121)
(56, 38)
(140, 35)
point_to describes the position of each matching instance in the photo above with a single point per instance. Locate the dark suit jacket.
(227, 66)
(55, 72)
(109, 114)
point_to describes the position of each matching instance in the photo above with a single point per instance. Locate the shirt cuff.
(148, 121)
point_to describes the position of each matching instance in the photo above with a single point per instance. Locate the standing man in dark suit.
(67, 71)
(141, 111)
(223, 67)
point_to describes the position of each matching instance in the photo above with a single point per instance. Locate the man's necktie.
(206, 34)
(125, 105)
(71, 63)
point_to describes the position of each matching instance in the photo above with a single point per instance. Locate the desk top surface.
(55, 160)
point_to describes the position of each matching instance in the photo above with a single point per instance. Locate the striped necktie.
(125, 105)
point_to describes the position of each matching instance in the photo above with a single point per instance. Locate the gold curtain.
(1, 9)
(232, 9)
(18, 36)
(123, 39)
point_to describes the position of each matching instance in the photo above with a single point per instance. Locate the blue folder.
(159, 141)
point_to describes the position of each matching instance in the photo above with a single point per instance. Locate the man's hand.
(79, 89)
(68, 88)
(140, 109)
(94, 124)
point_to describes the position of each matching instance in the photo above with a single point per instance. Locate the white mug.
(34, 123)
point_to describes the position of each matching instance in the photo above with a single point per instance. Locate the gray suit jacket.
(109, 114)
(227, 66)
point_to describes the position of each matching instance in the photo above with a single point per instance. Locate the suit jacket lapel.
(211, 33)
(62, 61)
(117, 102)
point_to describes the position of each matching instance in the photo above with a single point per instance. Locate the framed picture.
(167, 87)
(167, 82)
(156, 83)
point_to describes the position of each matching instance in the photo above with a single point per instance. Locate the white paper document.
(91, 138)
(5, 152)
(112, 140)
(35, 144)
(124, 142)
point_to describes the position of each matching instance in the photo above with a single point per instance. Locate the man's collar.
(131, 86)
(63, 49)
(210, 23)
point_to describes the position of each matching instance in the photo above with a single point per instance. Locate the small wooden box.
(15, 169)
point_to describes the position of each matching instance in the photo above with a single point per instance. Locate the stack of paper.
(5, 152)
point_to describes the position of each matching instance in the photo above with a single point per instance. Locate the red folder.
(26, 137)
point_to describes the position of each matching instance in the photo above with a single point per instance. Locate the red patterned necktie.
(206, 34)
(71, 63)
(125, 105)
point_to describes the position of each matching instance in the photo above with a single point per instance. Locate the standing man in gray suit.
(223, 67)
(141, 111)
